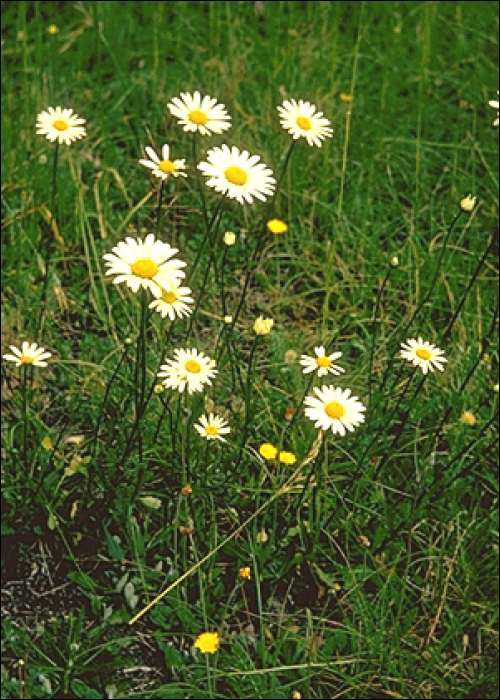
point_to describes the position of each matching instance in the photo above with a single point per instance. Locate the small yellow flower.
(290, 356)
(468, 203)
(47, 443)
(345, 97)
(276, 226)
(268, 451)
(229, 238)
(207, 643)
(468, 418)
(262, 326)
(287, 458)
(228, 320)
(52, 29)
(395, 261)
(245, 572)
(363, 540)
(262, 537)
(186, 490)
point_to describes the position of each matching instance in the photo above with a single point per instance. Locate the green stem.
(247, 402)
(373, 335)
(425, 299)
(48, 243)
(159, 209)
(140, 376)
(25, 415)
(469, 287)
(251, 267)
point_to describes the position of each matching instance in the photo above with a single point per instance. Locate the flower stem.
(426, 297)
(248, 416)
(48, 240)
(25, 415)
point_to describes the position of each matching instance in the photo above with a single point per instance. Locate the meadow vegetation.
(256, 455)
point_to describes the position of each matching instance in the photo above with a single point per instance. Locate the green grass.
(92, 526)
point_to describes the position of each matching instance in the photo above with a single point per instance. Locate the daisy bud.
(468, 203)
(262, 326)
(229, 238)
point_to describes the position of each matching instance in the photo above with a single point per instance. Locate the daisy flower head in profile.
(29, 354)
(174, 301)
(322, 363)
(495, 105)
(164, 167)
(212, 427)
(207, 643)
(189, 370)
(147, 264)
(201, 115)
(334, 409)
(60, 125)
(423, 355)
(300, 119)
(238, 175)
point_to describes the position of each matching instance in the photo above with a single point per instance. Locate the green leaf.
(114, 548)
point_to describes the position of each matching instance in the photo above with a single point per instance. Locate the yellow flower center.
(197, 116)
(236, 175)
(323, 361)
(304, 123)
(169, 297)
(211, 430)
(335, 410)
(145, 267)
(60, 124)
(26, 360)
(193, 366)
(167, 167)
(423, 354)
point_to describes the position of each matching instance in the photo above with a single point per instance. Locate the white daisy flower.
(190, 369)
(423, 355)
(301, 119)
(238, 175)
(60, 125)
(174, 301)
(495, 104)
(144, 264)
(164, 167)
(334, 409)
(213, 427)
(322, 363)
(29, 354)
(202, 115)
